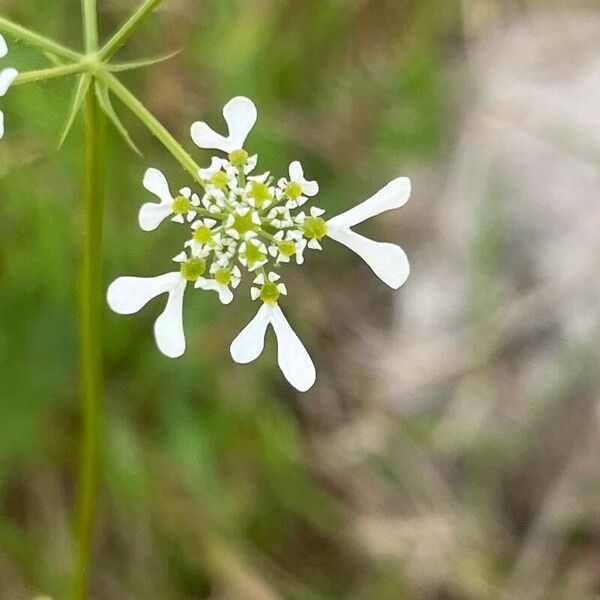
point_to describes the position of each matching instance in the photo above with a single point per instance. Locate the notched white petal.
(240, 115)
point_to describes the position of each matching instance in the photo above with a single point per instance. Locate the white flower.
(152, 214)
(287, 245)
(292, 357)
(204, 239)
(7, 76)
(297, 188)
(127, 295)
(388, 261)
(223, 279)
(242, 223)
(253, 254)
(240, 115)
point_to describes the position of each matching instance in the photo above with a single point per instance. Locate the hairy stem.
(35, 39)
(90, 313)
(51, 73)
(127, 29)
(153, 124)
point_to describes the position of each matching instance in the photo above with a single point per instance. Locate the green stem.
(152, 123)
(51, 73)
(90, 313)
(90, 25)
(35, 39)
(127, 29)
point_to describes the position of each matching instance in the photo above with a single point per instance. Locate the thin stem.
(152, 123)
(35, 39)
(90, 313)
(127, 29)
(90, 25)
(51, 73)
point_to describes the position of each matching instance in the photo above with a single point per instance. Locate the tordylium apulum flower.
(238, 221)
(7, 76)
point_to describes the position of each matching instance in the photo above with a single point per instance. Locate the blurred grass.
(215, 482)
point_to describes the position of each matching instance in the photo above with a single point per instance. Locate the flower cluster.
(240, 221)
(7, 76)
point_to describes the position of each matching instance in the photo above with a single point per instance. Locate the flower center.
(238, 158)
(193, 268)
(243, 223)
(203, 235)
(252, 254)
(287, 248)
(220, 180)
(260, 192)
(181, 205)
(223, 276)
(293, 190)
(269, 293)
(315, 228)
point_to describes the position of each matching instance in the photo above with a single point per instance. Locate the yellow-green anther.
(238, 158)
(287, 248)
(314, 228)
(220, 180)
(223, 276)
(203, 235)
(193, 268)
(293, 190)
(181, 205)
(260, 192)
(269, 293)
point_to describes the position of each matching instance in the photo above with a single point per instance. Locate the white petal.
(1, 124)
(168, 329)
(215, 165)
(152, 214)
(240, 116)
(181, 257)
(296, 172)
(7, 76)
(156, 183)
(225, 294)
(292, 357)
(394, 195)
(250, 342)
(3, 47)
(127, 295)
(388, 261)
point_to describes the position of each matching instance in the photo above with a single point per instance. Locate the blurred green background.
(449, 449)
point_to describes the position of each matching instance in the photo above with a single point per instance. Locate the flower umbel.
(240, 221)
(7, 76)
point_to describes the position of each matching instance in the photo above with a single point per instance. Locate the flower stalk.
(39, 41)
(125, 32)
(90, 315)
(152, 123)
